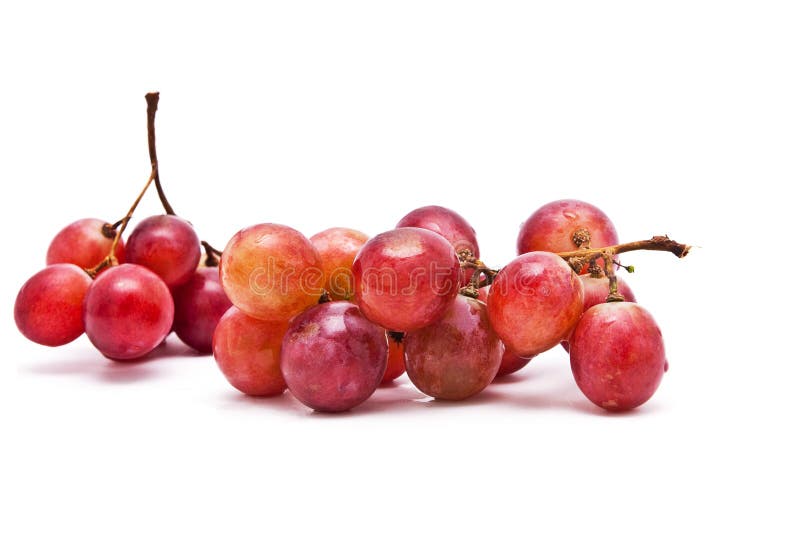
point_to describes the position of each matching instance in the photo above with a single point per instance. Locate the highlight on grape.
(333, 317)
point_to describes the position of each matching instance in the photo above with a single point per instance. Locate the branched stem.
(212, 255)
(662, 243)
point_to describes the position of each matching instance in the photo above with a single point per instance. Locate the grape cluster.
(333, 317)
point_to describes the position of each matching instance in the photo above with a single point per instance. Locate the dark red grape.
(457, 356)
(168, 246)
(551, 227)
(199, 304)
(271, 272)
(84, 244)
(332, 357)
(337, 249)
(48, 307)
(445, 222)
(127, 312)
(617, 355)
(595, 291)
(406, 278)
(512, 362)
(534, 302)
(396, 364)
(248, 352)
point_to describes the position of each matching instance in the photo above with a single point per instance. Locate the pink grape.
(271, 272)
(168, 246)
(337, 249)
(445, 222)
(534, 302)
(127, 312)
(512, 362)
(48, 309)
(248, 353)
(617, 355)
(332, 357)
(396, 364)
(84, 244)
(406, 278)
(551, 227)
(199, 304)
(457, 356)
(595, 291)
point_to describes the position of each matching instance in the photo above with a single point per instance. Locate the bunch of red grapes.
(334, 316)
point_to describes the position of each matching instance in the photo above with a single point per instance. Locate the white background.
(677, 118)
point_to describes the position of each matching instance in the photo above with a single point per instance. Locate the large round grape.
(617, 355)
(271, 272)
(167, 245)
(127, 312)
(406, 278)
(553, 226)
(337, 249)
(457, 356)
(199, 304)
(248, 353)
(332, 357)
(48, 307)
(445, 222)
(534, 302)
(84, 244)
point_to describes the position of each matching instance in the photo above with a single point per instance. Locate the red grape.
(406, 278)
(248, 353)
(84, 244)
(595, 291)
(457, 356)
(445, 222)
(617, 355)
(48, 307)
(534, 302)
(271, 272)
(396, 364)
(512, 362)
(127, 312)
(168, 246)
(337, 249)
(332, 357)
(552, 226)
(199, 304)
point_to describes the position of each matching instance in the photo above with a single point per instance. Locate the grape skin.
(457, 356)
(332, 357)
(595, 291)
(48, 308)
(247, 351)
(445, 222)
(617, 355)
(396, 364)
(127, 312)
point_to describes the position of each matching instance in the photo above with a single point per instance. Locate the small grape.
(248, 352)
(512, 362)
(332, 357)
(168, 246)
(457, 356)
(445, 222)
(396, 364)
(127, 312)
(48, 309)
(617, 355)
(199, 304)
(84, 244)
(337, 249)
(406, 278)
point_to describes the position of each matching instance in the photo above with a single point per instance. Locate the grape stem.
(152, 98)
(111, 259)
(212, 255)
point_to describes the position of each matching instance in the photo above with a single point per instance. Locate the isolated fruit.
(167, 245)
